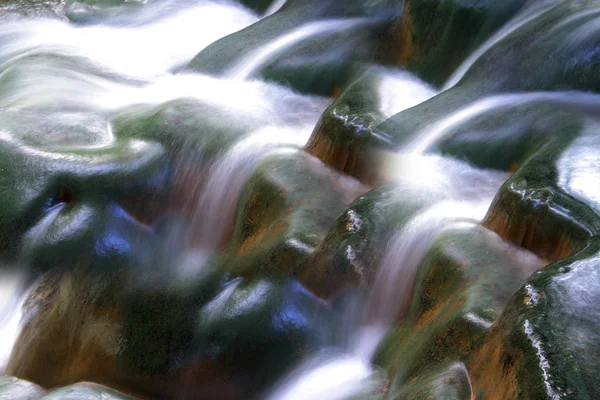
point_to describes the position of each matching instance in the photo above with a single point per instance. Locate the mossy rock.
(436, 36)
(286, 210)
(545, 344)
(145, 333)
(66, 199)
(17, 389)
(318, 64)
(463, 285)
(343, 137)
(451, 382)
(558, 49)
(529, 209)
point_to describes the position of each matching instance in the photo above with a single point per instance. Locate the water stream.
(121, 65)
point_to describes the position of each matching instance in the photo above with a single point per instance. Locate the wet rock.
(18, 389)
(530, 208)
(255, 331)
(351, 253)
(451, 382)
(545, 344)
(436, 36)
(560, 47)
(92, 11)
(353, 246)
(463, 286)
(260, 6)
(344, 137)
(85, 391)
(320, 61)
(179, 333)
(286, 210)
(64, 203)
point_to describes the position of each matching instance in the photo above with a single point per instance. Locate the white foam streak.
(511, 27)
(216, 210)
(11, 304)
(331, 378)
(434, 133)
(250, 64)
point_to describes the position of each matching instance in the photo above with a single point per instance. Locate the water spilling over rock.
(299, 199)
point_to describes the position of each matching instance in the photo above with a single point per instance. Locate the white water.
(248, 66)
(400, 90)
(135, 51)
(512, 26)
(11, 304)
(216, 209)
(327, 376)
(274, 7)
(437, 131)
(131, 65)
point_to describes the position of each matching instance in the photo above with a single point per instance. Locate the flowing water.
(114, 67)
(256, 59)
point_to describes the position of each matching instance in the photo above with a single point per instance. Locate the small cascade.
(323, 266)
(12, 299)
(216, 209)
(328, 376)
(437, 131)
(251, 63)
(525, 17)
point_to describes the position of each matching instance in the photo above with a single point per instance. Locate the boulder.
(285, 211)
(545, 344)
(464, 283)
(344, 137)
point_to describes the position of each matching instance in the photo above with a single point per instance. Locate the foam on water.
(136, 51)
(11, 303)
